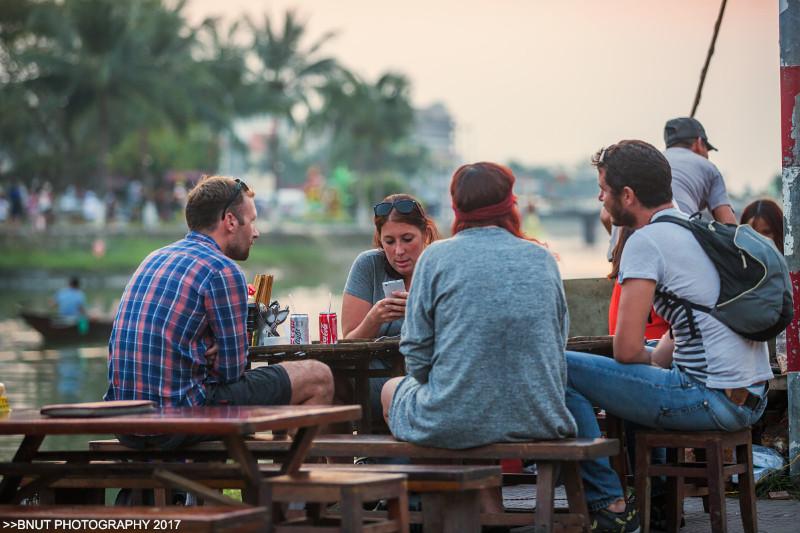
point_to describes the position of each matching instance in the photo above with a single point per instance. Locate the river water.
(35, 375)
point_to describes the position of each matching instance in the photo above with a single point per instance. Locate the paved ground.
(774, 516)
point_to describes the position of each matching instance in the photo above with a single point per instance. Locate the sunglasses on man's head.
(240, 186)
(405, 207)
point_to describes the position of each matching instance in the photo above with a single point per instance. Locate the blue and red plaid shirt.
(182, 299)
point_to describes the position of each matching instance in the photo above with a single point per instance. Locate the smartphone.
(393, 285)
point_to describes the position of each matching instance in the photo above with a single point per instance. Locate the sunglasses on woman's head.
(404, 207)
(240, 186)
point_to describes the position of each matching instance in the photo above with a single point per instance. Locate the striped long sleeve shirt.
(182, 299)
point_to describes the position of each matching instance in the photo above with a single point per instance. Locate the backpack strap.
(674, 299)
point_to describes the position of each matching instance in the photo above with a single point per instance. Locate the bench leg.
(352, 511)
(747, 500)
(716, 487)
(398, 511)
(451, 512)
(642, 481)
(545, 492)
(675, 486)
(576, 498)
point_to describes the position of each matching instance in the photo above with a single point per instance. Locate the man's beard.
(621, 217)
(238, 253)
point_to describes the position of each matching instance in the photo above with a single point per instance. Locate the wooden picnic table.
(231, 424)
(350, 358)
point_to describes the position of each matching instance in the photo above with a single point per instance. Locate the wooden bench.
(450, 493)
(549, 455)
(196, 519)
(351, 489)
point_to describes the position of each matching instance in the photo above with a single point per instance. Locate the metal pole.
(789, 18)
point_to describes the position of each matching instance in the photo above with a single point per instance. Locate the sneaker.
(604, 521)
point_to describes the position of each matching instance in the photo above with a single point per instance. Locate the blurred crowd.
(39, 206)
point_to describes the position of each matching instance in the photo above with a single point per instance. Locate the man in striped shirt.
(179, 337)
(701, 375)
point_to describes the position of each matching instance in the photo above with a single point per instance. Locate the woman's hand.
(389, 309)
(363, 320)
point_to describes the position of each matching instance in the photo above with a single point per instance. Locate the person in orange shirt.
(656, 326)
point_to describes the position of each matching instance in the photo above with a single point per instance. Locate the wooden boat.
(55, 332)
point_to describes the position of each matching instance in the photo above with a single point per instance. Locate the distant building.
(434, 129)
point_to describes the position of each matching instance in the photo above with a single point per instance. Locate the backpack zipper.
(759, 281)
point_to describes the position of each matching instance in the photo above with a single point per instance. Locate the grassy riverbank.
(308, 258)
(124, 253)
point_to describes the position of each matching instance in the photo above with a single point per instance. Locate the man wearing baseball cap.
(696, 182)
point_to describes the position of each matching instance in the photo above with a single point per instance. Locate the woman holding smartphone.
(402, 231)
(371, 309)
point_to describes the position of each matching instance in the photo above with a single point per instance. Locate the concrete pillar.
(789, 18)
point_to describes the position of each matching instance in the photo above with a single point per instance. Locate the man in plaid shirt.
(180, 338)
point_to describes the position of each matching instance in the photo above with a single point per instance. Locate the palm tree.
(287, 77)
(366, 122)
(107, 62)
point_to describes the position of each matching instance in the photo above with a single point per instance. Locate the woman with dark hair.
(766, 217)
(485, 329)
(402, 231)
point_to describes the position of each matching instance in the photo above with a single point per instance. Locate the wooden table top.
(343, 350)
(351, 350)
(204, 420)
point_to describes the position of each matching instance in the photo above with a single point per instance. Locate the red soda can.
(328, 328)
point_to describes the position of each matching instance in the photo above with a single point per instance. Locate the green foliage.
(194, 149)
(776, 482)
(93, 88)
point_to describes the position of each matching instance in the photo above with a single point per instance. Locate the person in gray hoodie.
(485, 329)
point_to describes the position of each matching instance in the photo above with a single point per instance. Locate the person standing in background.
(697, 184)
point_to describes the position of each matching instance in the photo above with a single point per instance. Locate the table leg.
(25, 454)
(238, 451)
(299, 449)
(362, 397)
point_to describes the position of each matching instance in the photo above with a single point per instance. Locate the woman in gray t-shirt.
(402, 231)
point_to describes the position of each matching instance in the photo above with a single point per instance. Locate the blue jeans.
(649, 396)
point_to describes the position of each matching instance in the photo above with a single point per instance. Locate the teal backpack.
(755, 292)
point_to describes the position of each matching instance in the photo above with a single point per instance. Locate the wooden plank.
(198, 489)
(204, 420)
(388, 446)
(192, 518)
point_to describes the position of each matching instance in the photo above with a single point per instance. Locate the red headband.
(486, 212)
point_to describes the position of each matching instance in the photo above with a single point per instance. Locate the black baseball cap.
(685, 129)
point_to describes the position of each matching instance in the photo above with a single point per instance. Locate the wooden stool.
(713, 471)
(351, 490)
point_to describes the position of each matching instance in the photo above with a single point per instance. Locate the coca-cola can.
(328, 328)
(298, 329)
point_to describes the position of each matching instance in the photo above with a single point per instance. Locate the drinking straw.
(291, 303)
(330, 302)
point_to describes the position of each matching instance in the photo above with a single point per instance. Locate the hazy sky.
(550, 81)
